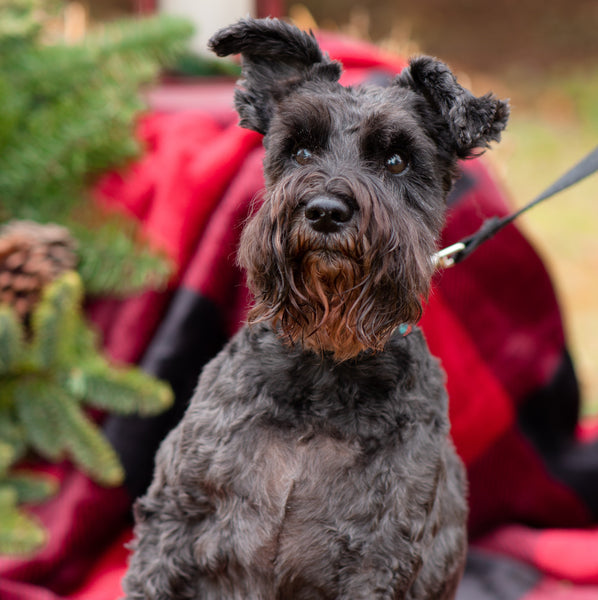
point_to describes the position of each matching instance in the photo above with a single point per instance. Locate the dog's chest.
(335, 501)
(311, 470)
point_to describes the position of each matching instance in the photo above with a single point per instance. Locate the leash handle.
(490, 227)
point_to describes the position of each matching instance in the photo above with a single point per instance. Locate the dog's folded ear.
(473, 122)
(277, 58)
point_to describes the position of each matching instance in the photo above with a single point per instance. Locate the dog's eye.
(396, 164)
(302, 155)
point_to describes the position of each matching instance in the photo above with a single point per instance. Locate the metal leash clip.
(446, 257)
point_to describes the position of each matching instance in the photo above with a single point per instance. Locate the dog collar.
(404, 329)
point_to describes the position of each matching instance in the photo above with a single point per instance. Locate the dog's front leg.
(208, 527)
(168, 518)
(163, 566)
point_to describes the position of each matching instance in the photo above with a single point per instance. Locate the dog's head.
(340, 252)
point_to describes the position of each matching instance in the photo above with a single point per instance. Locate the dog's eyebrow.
(307, 121)
(380, 134)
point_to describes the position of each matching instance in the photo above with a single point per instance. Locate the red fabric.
(104, 579)
(513, 485)
(569, 554)
(493, 321)
(211, 273)
(474, 427)
(558, 589)
(522, 337)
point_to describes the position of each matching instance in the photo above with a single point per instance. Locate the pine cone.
(32, 255)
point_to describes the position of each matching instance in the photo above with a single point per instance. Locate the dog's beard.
(335, 303)
(323, 310)
(343, 293)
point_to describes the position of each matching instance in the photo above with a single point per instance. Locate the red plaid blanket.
(493, 320)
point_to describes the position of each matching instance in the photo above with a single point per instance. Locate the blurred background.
(541, 55)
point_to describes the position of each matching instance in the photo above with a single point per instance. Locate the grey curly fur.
(323, 469)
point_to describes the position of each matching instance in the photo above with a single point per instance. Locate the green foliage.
(60, 369)
(11, 339)
(12, 439)
(190, 64)
(18, 23)
(68, 115)
(52, 321)
(130, 266)
(84, 442)
(19, 533)
(30, 487)
(38, 414)
(44, 389)
(119, 391)
(7, 455)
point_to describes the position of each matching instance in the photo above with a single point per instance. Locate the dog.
(314, 460)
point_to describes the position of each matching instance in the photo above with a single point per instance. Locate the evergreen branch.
(137, 46)
(85, 444)
(12, 100)
(37, 411)
(122, 391)
(111, 262)
(30, 486)
(7, 457)
(68, 114)
(83, 343)
(76, 107)
(63, 144)
(18, 22)
(162, 38)
(19, 533)
(11, 339)
(54, 319)
(12, 435)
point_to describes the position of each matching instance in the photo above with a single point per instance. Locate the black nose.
(327, 214)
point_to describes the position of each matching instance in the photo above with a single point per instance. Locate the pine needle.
(11, 339)
(53, 320)
(85, 443)
(19, 533)
(30, 487)
(125, 391)
(37, 410)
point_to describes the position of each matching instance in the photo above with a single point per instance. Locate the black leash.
(490, 227)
